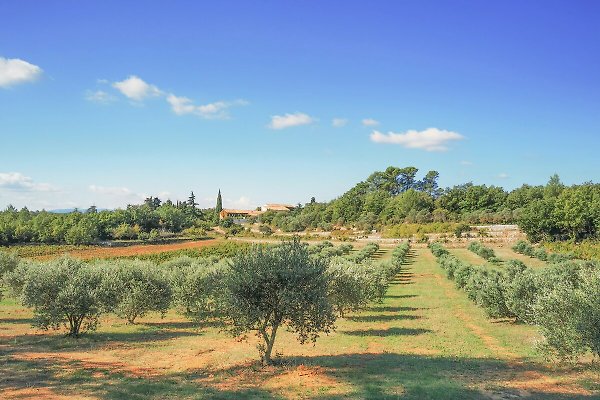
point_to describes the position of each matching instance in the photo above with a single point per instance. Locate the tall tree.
(554, 186)
(406, 179)
(219, 206)
(429, 184)
(192, 200)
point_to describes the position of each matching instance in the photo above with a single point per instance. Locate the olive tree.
(8, 263)
(64, 292)
(132, 288)
(351, 286)
(267, 288)
(197, 286)
(568, 315)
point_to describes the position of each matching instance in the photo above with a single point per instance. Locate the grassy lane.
(425, 341)
(468, 256)
(506, 253)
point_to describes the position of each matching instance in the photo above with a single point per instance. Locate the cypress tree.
(219, 206)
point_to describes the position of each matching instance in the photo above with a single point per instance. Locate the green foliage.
(563, 299)
(222, 250)
(484, 252)
(365, 253)
(485, 287)
(265, 230)
(569, 316)
(194, 232)
(539, 252)
(353, 285)
(521, 289)
(196, 285)
(15, 280)
(460, 229)
(8, 263)
(409, 230)
(437, 249)
(219, 206)
(585, 250)
(266, 288)
(132, 288)
(125, 232)
(81, 228)
(64, 292)
(564, 212)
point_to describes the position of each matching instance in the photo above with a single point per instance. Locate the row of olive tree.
(258, 290)
(563, 299)
(540, 253)
(484, 252)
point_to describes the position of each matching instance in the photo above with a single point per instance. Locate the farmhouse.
(238, 214)
(277, 207)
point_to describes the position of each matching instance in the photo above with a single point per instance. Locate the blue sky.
(106, 102)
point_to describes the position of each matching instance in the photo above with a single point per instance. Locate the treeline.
(151, 220)
(301, 287)
(385, 199)
(561, 299)
(395, 196)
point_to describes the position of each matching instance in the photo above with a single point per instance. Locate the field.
(426, 340)
(45, 252)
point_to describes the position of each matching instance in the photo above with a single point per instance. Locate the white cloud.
(290, 120)
(370, 122)
(431, 139)
(339, 122)
(503, 175)
(14, 71)
(19, 182)
(99, 96)
(466, 163)
(216, 110)
(136, 89)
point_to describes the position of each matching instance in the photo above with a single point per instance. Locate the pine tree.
(192, 200)
(219, 206)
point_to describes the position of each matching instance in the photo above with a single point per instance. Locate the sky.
(106, 102)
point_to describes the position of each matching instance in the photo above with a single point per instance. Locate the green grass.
(470, 257)
(426, 340)
(506, 253)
